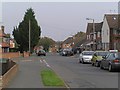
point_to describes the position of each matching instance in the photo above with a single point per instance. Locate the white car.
(86, 56)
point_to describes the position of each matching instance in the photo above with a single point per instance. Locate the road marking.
(41, 61)
(46, 63)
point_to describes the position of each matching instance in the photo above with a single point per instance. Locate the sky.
(58, 20)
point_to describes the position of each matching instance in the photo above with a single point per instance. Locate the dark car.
(66, 52)
(111, 62)
(41, 52)
(61, 51)
(97, 57)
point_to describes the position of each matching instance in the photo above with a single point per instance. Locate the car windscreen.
(102, 53)
(88, 53)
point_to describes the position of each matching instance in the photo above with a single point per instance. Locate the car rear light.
(116, 61)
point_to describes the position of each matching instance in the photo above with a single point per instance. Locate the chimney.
(2, 28)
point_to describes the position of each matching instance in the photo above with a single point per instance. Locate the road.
(78, 75)
(74, 74)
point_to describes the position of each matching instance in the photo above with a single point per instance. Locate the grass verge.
(50, 78)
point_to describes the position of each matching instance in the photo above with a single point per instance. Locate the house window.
(114, 31)
(88, 37)
(115, 45)
(98, 35)
(94, 36)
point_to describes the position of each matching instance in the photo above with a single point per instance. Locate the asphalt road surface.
(78, 75)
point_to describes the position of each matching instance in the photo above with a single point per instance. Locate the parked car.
(111, 61)
(86, 56)
(61, 51)
(41, 52)
(97, 57)
(66, 52)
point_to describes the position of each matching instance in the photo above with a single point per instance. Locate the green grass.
(50, 78)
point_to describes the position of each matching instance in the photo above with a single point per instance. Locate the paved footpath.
(28, 75)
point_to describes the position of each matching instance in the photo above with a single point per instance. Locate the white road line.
(41, 61)
(46, 63)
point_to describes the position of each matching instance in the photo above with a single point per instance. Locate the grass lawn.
(50, 78)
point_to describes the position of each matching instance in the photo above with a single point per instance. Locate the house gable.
(105, 31)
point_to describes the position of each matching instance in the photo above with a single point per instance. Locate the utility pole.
(29, 34)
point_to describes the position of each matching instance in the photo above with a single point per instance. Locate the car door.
(109, 59)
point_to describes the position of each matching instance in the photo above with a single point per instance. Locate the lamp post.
(93, 32)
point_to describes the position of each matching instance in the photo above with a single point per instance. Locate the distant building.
(67, 43)
(54, 48)
(4, 41)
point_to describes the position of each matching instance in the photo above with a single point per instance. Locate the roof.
(112, 20)
(81, 41)
(68, 40)
(98, 27)
(5, 44)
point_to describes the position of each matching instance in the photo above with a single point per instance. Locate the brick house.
(94, 39)
(68, 43)
(4, 41)
(110, 32)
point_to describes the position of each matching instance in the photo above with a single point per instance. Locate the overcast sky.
(58, 20)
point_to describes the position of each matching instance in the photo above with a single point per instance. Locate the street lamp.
(93, 31)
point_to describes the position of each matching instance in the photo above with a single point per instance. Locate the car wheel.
(96, 64)
(82, 61)
(92, 64)
(79, 61)
(101, 67)
(110, 68)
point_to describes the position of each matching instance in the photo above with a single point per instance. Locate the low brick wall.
(26, 54)
(11, 55)
(9, 75)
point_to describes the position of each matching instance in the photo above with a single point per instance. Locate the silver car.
(86, 56)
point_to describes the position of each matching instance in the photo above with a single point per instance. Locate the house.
(54, 48)
(97, 36)
(68, 43)
(4, 41)
(110, 32)
(93, 38)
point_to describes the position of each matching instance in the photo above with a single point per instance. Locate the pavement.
(28, 75)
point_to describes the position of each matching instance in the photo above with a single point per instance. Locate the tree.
(46, 43)
(21, 33)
